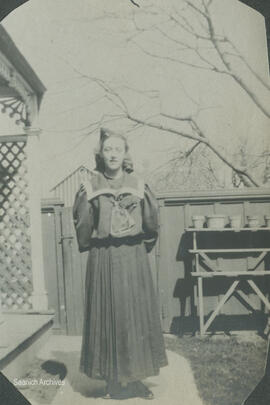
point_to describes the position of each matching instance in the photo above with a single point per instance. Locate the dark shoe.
(123, 394)
(113, 391)
(148, 394)
(142, 391)
(107, 396)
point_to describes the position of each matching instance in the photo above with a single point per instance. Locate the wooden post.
(195, 289)
(200, 285)
(164, 272)
(39, 296)
(200, 292)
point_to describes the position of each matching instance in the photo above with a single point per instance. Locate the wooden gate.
(64, 268)
(53, 262)
(74, 272)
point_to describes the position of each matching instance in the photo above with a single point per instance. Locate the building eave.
(11, 52)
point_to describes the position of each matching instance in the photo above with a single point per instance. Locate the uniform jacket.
(93, 210)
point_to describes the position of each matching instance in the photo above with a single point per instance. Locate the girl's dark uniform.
(122, 337)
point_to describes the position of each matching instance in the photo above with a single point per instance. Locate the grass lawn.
(225, 369)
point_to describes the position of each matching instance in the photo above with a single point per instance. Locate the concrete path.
(174, 386)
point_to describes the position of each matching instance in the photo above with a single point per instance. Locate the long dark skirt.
(122, 337)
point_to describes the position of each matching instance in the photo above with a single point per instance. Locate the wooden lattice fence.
(15, 246)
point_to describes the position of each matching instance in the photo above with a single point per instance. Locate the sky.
(67, 41)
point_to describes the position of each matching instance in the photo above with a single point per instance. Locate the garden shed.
(66, 189)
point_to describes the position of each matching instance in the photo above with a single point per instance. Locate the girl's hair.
(104, 135)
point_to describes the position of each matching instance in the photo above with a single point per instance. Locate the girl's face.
(113, 153)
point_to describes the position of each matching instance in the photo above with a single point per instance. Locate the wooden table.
(237, 275)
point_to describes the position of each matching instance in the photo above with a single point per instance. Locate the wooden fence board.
(171, 265)
(228, 203)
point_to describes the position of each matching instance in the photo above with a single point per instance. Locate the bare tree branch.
(221, 51)
(215, 40)
(191, 150)
(171, 59)
(222, 65)
(196, 135)
(250, 68)
(135, 4)
(230, 72)
(200, 139)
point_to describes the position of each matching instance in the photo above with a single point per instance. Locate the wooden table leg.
(264, 300)
(259, 293)
(220, 304)
(200, 293)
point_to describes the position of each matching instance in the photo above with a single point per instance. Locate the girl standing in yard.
(115, 216)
